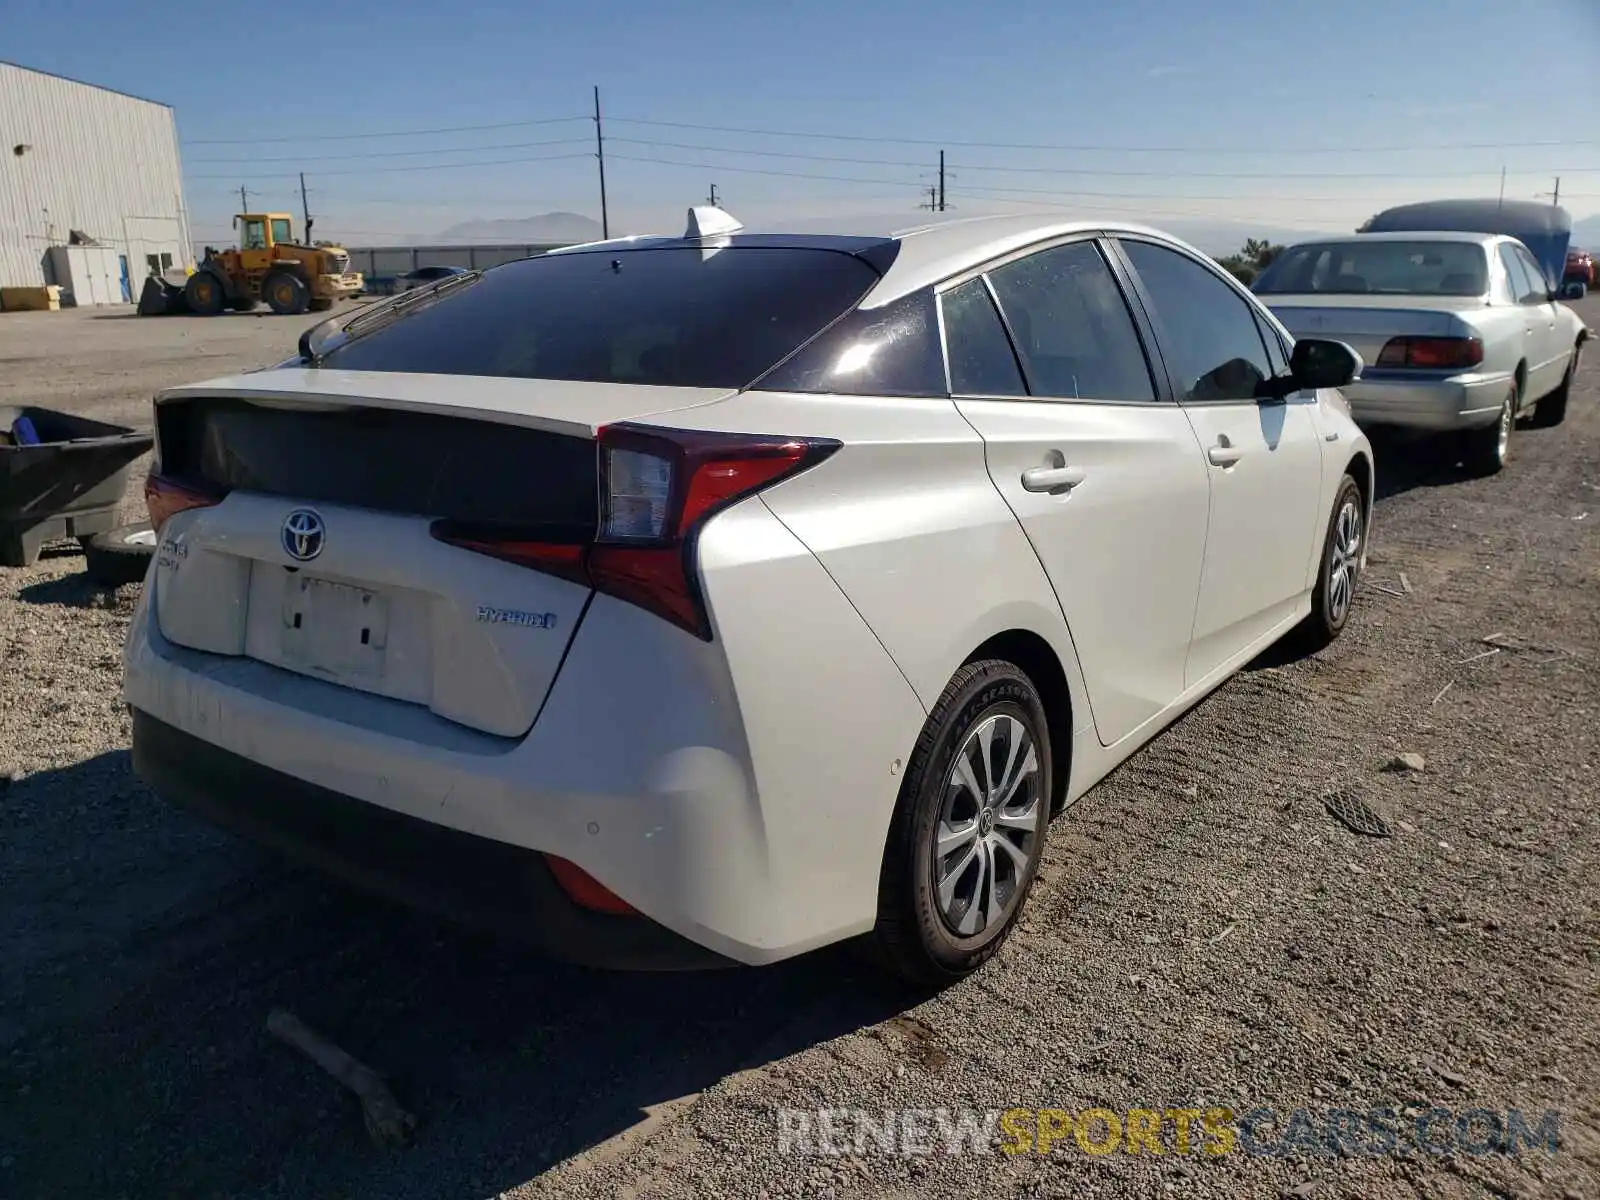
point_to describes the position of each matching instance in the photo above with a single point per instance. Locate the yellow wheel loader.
(270, 265)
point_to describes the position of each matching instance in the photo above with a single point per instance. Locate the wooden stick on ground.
(387, 1122)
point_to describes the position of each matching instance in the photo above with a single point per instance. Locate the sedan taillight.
(165, 498)
(658, 488)
(1431, 353)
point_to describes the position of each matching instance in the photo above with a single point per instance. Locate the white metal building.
(74, 156)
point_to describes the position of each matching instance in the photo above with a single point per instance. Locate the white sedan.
(682, 601)
(1462, 331)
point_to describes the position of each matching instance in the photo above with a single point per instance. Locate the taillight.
(165, 498)
(658, 488)
(584, 890)
(1431, 353)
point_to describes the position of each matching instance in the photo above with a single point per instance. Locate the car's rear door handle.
(1052, 479)
(1223, 455)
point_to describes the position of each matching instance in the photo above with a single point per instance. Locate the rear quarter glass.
(674, 316)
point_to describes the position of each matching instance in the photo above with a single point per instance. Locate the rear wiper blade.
(316, 342)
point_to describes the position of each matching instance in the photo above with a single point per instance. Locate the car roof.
(917, 255)
(1417, 235)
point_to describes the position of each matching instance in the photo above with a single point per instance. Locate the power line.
(297, 158)
(498, 162)
(1255, 149)
(341, 137)
(667, 162)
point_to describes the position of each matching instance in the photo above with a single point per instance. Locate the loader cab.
(259, 233)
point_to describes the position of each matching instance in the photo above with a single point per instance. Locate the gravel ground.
(1203, 932)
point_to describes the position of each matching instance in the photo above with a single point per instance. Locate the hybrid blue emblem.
(303, 535)
(516, 616)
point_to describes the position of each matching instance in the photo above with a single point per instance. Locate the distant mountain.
(546, 227)
(1586, 233)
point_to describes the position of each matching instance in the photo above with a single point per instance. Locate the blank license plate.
(333, 629)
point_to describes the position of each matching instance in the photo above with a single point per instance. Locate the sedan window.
(1353, 268)
(1071, 325)
(1208, 332)
(1538, 286)
(675, 316)
(982, 362)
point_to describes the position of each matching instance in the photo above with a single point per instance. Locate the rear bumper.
(703, 783)
(1434, 405)
(499, 888)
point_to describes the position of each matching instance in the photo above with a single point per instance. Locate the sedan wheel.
(1486, 449)
(1344, 558)
(983, 843)
(968, 830)
(1334, 595)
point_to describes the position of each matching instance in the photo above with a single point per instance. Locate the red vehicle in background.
(1580, 268)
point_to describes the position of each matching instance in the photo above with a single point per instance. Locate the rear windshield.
(673, 315)
(1422, 268)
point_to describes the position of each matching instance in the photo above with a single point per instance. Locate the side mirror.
(1318, 363)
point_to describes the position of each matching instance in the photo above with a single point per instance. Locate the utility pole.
(600, 155)
(244, 199)
(305, 207)
(941, 181)
(712, 198)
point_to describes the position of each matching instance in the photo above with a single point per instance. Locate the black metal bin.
(70, 483)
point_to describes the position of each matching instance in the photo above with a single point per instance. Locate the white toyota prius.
(685, 601)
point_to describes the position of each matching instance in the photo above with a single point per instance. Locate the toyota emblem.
(303, 535)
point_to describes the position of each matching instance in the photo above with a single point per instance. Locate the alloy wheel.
(1508, 417)
(1344, 560)
(991, 816)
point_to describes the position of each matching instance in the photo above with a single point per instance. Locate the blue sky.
(1267, 113)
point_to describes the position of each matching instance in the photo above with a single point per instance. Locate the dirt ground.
(1204, 933)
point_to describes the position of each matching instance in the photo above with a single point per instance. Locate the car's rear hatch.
(1366, 324)
(319, 559)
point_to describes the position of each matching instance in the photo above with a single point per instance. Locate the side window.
(982, 362)
(1277, 353)
(888, 351)
(281, 232)
(1209, 337)
(1072, 327)
(1517, 274)
(1538, 285)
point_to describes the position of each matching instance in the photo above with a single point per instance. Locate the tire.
(204, 294)
(933, 934)
(321, 304)
(286, 293)
(1552, 410)
(1334, 596)
(119, 556)
(1485, 451)
(242, 304)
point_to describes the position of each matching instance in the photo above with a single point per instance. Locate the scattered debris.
(1191, 790)
(1449, 1076)
(1409, 761)
(1407, 827)
(1231, 926)
(387, 1122)
(1356, 815)
(1443, 690)
(1580, 516)
(1405, 582)
(1301, 1191)
(1476, 657)
(1388, 591)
